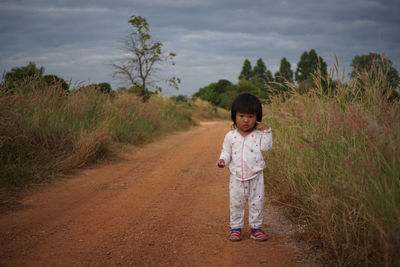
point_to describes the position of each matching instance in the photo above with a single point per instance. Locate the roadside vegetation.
(46, 130)
(335, 165)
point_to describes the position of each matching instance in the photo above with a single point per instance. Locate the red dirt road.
(166, 204)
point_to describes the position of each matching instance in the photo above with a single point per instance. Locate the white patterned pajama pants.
(250, 192)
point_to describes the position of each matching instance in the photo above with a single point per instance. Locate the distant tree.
(260, 68)
(226, 99)
(180, 98)
(246, 73)
(245, 86)
(227, 92)
(270, 78)
(365, 62)
(20, 73)
(208, 93)
(309, 64)
(52, 79)
(222, 86)
(285, 70)
(219, 93)
(259, 76)
(141, 59)
(31, 71)
(104, 87)
(285, 73)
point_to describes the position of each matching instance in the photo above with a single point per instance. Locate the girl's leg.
(237, 202)
(256, 201)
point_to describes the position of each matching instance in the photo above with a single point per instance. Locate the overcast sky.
(77, 39)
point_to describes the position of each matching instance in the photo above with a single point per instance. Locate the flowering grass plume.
(336, 167)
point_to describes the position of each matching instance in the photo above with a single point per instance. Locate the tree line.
(31, 71)
(260, 81)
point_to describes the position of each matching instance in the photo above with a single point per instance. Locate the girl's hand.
(261, 126)
(221, 163)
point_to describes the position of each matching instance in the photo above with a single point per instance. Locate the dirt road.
(166, 204)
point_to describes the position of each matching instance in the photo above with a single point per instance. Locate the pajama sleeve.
(266, 140)
(226, 149)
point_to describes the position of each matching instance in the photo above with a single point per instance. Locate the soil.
(164, 204)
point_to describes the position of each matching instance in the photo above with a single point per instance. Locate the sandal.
(235, 234)
(258, 234)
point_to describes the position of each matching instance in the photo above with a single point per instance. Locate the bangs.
(246, 107)
(246, 103)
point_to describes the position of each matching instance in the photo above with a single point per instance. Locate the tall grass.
(336, 166)
(45, 130)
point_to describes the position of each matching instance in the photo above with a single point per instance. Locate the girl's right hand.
(221, 163)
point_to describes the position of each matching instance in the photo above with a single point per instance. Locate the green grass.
(336, 167)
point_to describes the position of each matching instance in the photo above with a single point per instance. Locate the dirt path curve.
(166, 204)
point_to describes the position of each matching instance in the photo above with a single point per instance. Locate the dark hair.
(246, 103)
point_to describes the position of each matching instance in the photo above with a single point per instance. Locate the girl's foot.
(258, 234)
(235, 234)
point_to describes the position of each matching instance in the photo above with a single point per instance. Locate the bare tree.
(141, 60)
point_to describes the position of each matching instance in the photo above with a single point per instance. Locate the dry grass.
(45, 130)
(336, 167)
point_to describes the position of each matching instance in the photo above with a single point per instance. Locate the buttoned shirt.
(244, 153)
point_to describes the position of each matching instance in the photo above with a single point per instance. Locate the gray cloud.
(77, 39)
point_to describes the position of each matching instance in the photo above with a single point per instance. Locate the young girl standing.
(242, 150)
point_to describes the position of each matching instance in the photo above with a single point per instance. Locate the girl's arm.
(226, 152)
(266, 138)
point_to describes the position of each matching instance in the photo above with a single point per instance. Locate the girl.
(242, 149)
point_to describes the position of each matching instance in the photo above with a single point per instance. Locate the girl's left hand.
(261, 126)
(221, 163)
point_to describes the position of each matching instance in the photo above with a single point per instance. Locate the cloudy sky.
(77, 39)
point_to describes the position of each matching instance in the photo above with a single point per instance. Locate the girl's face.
(245, 122)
